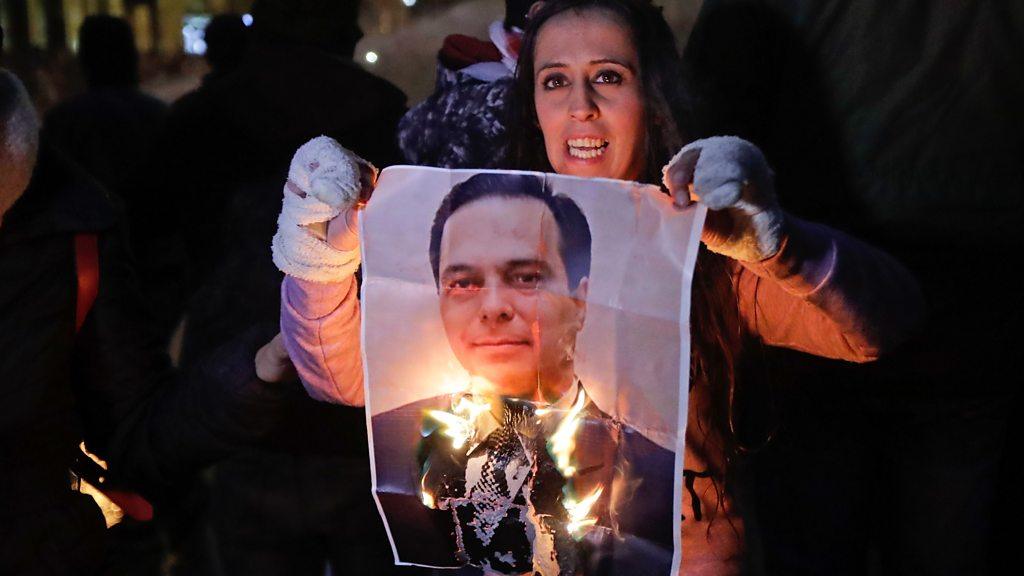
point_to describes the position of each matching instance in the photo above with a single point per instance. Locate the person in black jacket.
(898, 121)
(67, 373)
(110, 130)
(227, 40)
(305, 499)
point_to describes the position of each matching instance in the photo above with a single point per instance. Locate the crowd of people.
(852, 393)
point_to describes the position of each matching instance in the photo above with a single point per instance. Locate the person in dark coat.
(304, 500)
(111, 130)
(227, 40)
(71, 370)
(464, 123)
(899, 122)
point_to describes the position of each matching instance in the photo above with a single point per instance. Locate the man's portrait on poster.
(522, 472)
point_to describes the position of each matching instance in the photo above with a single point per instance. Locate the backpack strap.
(87, 264)
(87, 267)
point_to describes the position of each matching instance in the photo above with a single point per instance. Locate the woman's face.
(589, 97)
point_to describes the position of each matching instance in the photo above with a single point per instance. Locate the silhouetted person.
(110, 130)
(289, 509)
(900, 121)
(463, 123)
(227, 40)
(78, 361)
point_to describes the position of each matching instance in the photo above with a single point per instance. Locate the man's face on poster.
(507, 308)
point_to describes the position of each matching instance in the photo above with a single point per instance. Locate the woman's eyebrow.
(550, 65)
(617, 62)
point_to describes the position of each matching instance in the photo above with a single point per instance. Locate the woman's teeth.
(586, 147)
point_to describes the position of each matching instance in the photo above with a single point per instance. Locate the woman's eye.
(554, 81)
(608, 77)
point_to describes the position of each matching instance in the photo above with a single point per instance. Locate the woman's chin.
(587, 168)
(600, 167)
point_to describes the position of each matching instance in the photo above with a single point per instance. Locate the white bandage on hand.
(324, 180)
(731, 175)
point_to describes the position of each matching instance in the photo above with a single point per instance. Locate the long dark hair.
(666, 102)
(715, 332)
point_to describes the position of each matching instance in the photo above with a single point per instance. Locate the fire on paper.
(511, 493)
(526, 339)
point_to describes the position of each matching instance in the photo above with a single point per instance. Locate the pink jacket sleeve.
(830, 295)
(823, 293)
(320, 324)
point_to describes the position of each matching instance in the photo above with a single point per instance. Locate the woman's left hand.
(731, 177)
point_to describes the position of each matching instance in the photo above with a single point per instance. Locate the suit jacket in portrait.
(634, 533)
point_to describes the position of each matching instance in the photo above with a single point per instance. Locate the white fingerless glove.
(732, 178)
(323, 181)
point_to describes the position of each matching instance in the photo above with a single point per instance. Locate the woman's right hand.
(317, 237)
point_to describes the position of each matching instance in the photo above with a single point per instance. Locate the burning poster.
(526, 342)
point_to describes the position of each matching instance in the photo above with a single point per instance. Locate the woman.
(598, 95)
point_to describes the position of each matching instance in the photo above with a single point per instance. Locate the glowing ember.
(578, 512)
(563, 441)
(460, 424)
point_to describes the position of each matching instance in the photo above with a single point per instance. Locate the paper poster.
(526, 348)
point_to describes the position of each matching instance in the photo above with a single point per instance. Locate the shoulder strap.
(87, 264)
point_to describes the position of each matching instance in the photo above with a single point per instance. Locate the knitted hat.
(329, 24)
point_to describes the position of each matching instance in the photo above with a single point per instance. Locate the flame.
(428, 500)
(562, 444)
(578, 512)
(460, 424)
(426, 497)
(563, 441)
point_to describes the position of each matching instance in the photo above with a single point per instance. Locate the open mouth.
(587, 148)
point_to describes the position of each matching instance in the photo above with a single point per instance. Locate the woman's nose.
(582, 104)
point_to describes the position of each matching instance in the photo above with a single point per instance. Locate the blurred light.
(371, 57)
(247, 18)
(409, 3)
(192, 31)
